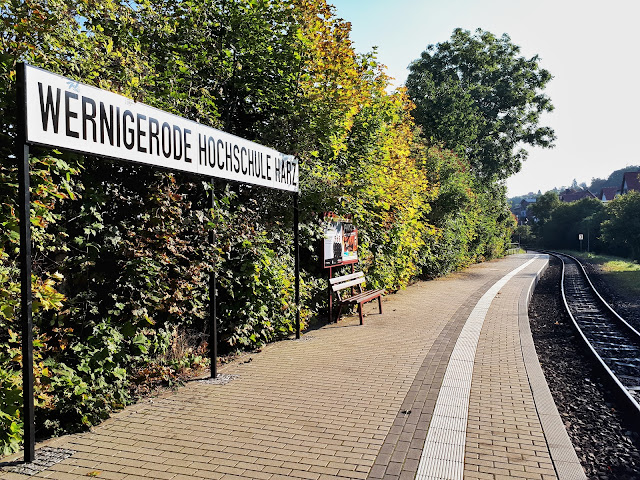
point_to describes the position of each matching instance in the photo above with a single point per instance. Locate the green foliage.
(570, 219)
(476, 95)
(544, 206)
(255, 274)
(11, 395)
(386, 189)
(524, 236)
(93, 379)
(612, 228)
(454, 213)
(26, 27)
(613, 180)
(542, 211)
(621, 229)
(472, 222)
(122, 260)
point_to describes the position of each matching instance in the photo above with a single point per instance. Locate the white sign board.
(580, 236)
(67, 114)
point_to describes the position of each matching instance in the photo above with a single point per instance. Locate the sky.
(592, 49)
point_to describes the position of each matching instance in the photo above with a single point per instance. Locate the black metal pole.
(213, 314)
(296, 256)
(22, 154)
(330, 296)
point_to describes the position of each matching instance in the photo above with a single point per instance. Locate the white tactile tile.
(445, 422)
(443, 453)
(454, 396)
(457, 382)
(453, 411)
(443, 470)
(448, 436)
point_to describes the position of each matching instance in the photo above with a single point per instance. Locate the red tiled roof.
(575, 196)
(608, 193)
(632, 179)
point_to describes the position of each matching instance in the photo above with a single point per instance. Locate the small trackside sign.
(66, 114)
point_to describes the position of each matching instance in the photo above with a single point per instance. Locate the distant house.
(570, 195)
(524, 215)
(630, 182)
(607, 194)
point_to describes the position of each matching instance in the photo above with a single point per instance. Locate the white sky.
(591, 49)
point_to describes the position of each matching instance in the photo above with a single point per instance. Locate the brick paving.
(397, 459)
(504, 436)
(345, 401)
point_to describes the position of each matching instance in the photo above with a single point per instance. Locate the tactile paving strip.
(442, 460)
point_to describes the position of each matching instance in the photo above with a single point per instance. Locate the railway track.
(614, 343)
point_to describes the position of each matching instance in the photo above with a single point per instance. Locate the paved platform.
(444, 385)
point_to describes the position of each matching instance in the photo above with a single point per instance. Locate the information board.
(340, 240)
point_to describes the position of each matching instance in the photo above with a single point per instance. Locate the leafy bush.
(621, 229)
(570, 219)
(122, 258)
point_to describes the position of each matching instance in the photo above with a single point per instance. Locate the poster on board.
(340, 240)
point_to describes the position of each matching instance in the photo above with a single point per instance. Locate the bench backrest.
(346, 281)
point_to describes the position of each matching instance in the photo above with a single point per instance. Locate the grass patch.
(622, 273)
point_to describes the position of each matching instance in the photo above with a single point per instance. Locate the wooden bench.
(351, 281)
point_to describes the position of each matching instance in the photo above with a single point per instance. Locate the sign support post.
(580, 237)
(55, 111)
(213, 314)
(26, 299)
(296, 256)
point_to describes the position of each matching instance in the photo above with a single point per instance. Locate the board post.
(26, 299)
(296, 256)
(213, 314)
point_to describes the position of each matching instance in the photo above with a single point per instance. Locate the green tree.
(471, 221)
(621, 229)
(613, 180)
(542, 210)
(522, 234)
(478, 96)
(121, 276)
(570, 219)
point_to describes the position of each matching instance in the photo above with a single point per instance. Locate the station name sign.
(70, 115)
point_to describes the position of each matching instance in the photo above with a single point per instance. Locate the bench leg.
(339, 313)
(380, 304)
(360, 312)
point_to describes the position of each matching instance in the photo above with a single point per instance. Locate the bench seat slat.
(344, 278)
(351, 283)
(363, 297)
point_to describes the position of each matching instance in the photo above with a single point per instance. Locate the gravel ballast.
(605, 447)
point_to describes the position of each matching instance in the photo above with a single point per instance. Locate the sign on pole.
(56, 111)
(68, 114)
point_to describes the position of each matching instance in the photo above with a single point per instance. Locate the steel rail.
(635, 333)
(626, 399)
